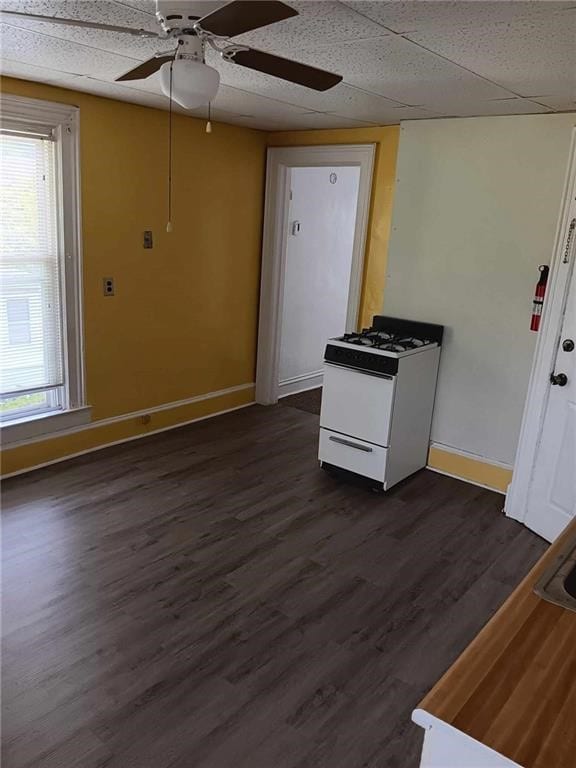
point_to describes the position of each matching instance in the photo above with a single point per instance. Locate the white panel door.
(357, 404)
(552, 497)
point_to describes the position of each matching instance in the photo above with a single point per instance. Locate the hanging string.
(209, 124)
(169, 224)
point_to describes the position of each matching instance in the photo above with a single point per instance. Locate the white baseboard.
(300, 383)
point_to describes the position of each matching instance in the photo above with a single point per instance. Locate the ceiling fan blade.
(293, 71)
(147, 68)
(80, 23)
(243, 15)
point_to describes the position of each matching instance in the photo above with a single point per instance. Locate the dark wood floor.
(208, 598)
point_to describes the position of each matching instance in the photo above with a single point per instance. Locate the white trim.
(448, 747)
(279, 162)
(126, 439)
(137, 414)
(43, 426)
(65, 121)
(544, 357)
(300, 383)
(472, 456)
(38, 111)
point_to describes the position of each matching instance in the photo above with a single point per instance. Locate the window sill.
(45, 425)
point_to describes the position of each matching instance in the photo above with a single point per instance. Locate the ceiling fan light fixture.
(193, 83)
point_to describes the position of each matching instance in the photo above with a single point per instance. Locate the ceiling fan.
(184, 75)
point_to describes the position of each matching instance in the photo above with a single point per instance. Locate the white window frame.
(65, 121)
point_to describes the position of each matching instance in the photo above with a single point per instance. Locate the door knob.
(568, 345)
(559, 379)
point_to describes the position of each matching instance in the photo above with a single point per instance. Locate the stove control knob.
(559, 379)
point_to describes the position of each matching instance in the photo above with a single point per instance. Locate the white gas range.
(378, 398)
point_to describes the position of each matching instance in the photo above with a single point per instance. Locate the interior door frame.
(280, 161)
(517, 497)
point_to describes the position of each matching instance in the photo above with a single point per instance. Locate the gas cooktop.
(386, 341)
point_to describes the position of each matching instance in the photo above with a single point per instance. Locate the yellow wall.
(467, 468)
(184, 318)
(386, 140)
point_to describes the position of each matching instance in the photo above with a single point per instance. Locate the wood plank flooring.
(209, 598)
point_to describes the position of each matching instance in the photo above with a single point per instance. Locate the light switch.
(148, 243)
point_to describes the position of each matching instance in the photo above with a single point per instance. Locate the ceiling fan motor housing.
(176, 18)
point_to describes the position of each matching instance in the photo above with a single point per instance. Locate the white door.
(552, 494)
(317, 272)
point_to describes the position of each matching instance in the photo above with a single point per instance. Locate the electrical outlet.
(148, 243)
(108, 286)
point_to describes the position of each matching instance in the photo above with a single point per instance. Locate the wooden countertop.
(514, 687)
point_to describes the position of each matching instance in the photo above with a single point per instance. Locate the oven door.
(357, 404)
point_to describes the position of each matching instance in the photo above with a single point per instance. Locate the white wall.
(318, 264)
(475, 213)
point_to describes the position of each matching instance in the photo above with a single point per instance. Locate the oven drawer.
(357, 403)
(355, 455)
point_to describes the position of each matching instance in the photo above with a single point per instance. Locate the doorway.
(542, 494)
(319, 247)
(316, 217)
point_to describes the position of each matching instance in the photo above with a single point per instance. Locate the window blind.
(31, 338)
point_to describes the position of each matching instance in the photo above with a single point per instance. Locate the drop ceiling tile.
(376, 109)
(313, 121)
(397, 69)
(105, 12)
(117, 91)
(22, 71)
(55, 53)
(409, 16)
(197, 7)
(499, 107)
(318, 23)
(102, 11)
(529, 57)
(557, 103)
(245, 103)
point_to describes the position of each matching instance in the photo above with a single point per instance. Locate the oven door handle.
(350, 444)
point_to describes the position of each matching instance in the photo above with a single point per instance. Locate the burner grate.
(379, 339)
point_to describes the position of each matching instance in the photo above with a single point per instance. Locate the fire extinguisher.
(539, 297)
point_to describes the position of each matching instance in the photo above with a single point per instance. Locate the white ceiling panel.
(31, 72)
(321, 22)
(403, 16)
(452, 59)
(104, 13)
(246, 103)
(40, 50)
(313, 121)
(557, 103)
(529, 57)
(396, 69)
(500, 107)
(197, 7)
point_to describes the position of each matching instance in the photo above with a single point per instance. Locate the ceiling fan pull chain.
(169, 224)
(209, 123)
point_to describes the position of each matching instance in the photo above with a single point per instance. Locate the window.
(18, 321)
(40, 324)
